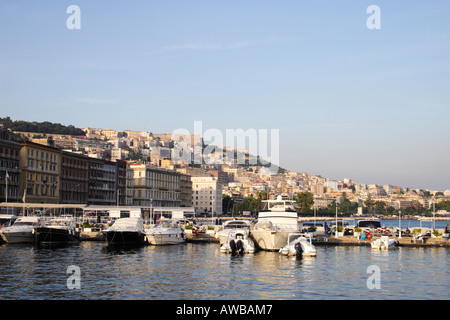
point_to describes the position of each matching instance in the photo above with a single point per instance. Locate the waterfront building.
(40, 176)
(155, 187)
(129, 186)
(186, 190)
(74, 177)
(9, 168)
(121, 182)
(102, 189)
(207, 195)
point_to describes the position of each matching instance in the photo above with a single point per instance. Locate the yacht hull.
(124, 238)
(270, 240)
(165, 239)
(20, 237)
(53, 235)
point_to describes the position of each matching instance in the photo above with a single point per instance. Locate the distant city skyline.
(350, 102)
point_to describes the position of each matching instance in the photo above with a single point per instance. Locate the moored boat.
(383, 243)
(23, 230)
(277, 219)
(232, 225)
(58, 231)
(165, 234)
(238, 241)
(126, 231)
(299, 245)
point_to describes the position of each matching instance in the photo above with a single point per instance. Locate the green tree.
(380, 207)
(263, 195)
(305, 201)
(227, 203)
(346, 207)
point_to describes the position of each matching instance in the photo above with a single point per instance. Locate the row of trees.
(41, 127)
(345, 207)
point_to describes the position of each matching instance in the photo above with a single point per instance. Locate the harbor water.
(200, 272)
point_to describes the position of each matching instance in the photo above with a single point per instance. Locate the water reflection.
(193, 271)
(121, 249)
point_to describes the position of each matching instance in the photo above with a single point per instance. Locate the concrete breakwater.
(404, 241)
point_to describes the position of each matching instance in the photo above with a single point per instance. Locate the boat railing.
(285, 228)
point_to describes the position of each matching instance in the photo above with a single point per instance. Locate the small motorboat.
(383, 243)
(165, 234)
(230, 226)
(239, 242)
(23, 230)
(299, 245)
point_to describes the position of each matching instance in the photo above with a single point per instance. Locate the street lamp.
(400, 224)
(336, 231)
(315, 197)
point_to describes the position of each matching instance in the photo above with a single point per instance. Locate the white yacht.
(277, 219)
(165, 233)
(299, 245)
(126, 231)
(23, 230)
(383, 243)
(238, 241)
(230, 226)
(57, 230)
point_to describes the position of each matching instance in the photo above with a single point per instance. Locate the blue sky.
(370, 105)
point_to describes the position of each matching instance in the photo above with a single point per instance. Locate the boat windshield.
(279, 205)
(24, 223)
(295, 236)
(236, 225)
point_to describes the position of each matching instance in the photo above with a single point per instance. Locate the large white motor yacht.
(277, 219)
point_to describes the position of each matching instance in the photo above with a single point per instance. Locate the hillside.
(41, 127)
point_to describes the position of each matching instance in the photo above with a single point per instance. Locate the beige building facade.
(40, 167)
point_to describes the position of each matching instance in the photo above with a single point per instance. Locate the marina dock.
(322, 240)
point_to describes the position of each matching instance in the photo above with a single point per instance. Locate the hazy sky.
(350, 102)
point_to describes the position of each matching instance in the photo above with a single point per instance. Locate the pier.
(323, 240)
